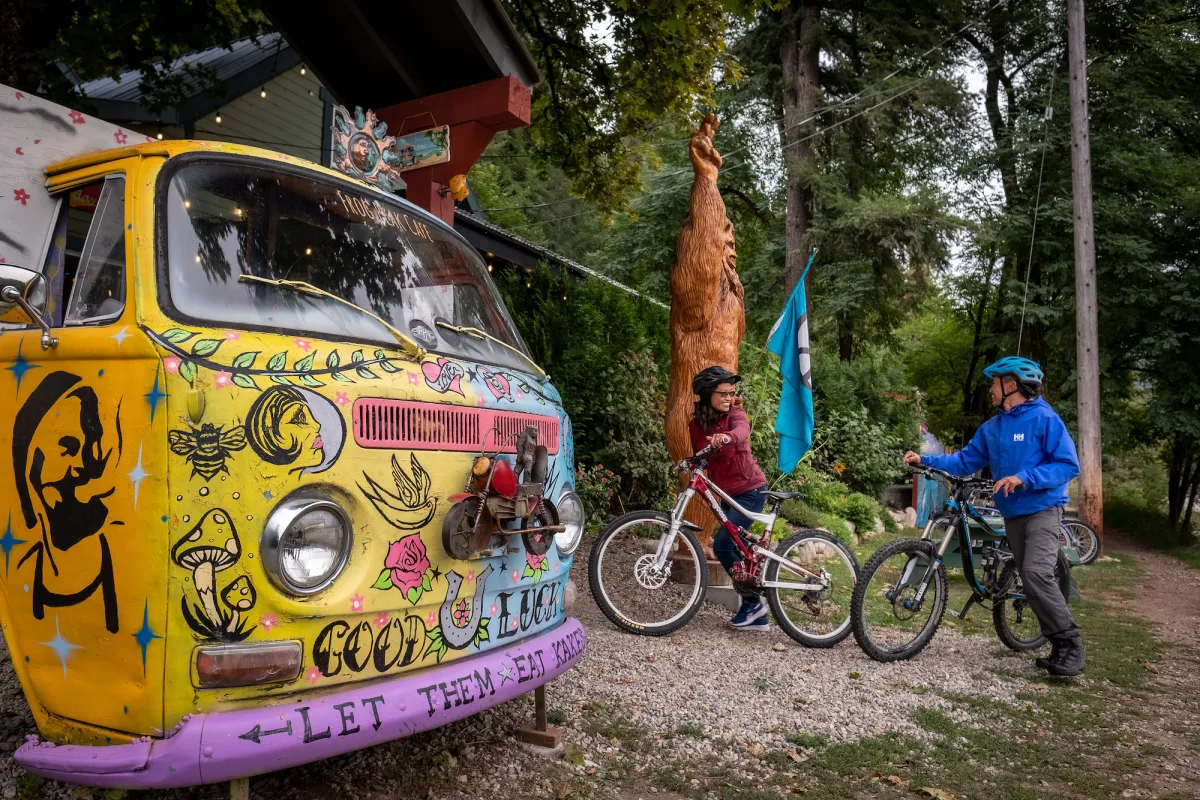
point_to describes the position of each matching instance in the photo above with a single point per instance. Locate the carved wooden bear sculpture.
(708, 315)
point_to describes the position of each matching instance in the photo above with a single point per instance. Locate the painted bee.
(207, 449)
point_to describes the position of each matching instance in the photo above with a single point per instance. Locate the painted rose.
(535, 561)
(408, 562)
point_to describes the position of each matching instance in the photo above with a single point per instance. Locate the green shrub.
(800, 514)
(862, 511)
(596, 487)
(837, 526)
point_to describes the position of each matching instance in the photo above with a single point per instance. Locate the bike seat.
(780, 495)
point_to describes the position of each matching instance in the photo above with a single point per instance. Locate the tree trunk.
(1185, 527)
(801, 77)
(12, 45)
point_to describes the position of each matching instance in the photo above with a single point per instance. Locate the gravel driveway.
(707, 692)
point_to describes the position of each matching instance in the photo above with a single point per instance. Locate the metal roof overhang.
(379, 54)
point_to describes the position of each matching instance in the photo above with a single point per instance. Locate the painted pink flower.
(268, 622)
(462, 614)
(414, 379)
(408, 562)
(471, 575)
(120, 137)
(313, 675)
(514, 624)
(341, 399)
(20, 95)
(382, 619)
(222, 379)
(76, 117)
(430, 620)
(535, 561)
(21, 196)
(171, 363)
(519, 393)
(493, 609)
(515, 577)
(356, 603)
(232, 336)
(303, 344)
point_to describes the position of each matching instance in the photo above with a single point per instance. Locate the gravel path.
(706, 692)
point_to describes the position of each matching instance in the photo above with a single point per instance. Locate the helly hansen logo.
(1018, 437)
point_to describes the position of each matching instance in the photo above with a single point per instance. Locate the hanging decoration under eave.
(363, 149)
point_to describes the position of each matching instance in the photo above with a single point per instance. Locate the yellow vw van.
(241, 393)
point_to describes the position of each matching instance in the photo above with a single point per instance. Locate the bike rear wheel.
(1016, 624)
(887, 623)
(628, 589)
(1086, 540)
(818, 618)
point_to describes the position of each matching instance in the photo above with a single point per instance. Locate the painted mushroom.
(211, 546)
(239, 597)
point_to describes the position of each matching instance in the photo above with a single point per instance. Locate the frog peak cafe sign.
(363, 149)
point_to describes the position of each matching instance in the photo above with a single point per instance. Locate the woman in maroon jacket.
(718, 421)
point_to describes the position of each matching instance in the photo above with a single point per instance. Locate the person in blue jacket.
(1032, 459)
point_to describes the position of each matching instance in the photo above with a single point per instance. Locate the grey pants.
(1034, 542)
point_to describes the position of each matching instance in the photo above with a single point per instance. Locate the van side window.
(95, 253)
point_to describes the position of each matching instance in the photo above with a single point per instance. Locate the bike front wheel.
(814, 617)
(888, 621)
(631, 591)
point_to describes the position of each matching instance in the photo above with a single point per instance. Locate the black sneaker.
(1070, 660)
(1043, 662)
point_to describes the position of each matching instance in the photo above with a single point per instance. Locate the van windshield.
(224, 221)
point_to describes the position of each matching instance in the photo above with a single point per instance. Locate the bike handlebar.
(953, 479)
(696, 460)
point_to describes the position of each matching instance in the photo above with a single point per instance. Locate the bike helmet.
(707, 381)
(1025, 370)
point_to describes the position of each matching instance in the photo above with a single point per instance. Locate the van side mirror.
(23, 293)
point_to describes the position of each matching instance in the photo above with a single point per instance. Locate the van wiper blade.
(411, 347)
(478, 334)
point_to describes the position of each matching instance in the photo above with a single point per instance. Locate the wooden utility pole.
(1091, 478)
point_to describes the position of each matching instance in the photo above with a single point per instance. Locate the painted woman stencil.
(296, 428)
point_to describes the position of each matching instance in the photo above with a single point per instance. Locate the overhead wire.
(1037, 203)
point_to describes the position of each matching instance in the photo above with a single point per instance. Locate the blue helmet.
(1025, 370)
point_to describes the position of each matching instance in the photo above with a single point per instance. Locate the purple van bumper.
(210, 748)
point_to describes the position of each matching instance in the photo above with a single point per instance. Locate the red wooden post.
(475, 114)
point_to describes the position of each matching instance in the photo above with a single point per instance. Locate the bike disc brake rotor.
(647, 576)
(904, 595)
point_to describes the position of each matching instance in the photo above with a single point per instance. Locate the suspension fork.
(667, 542)
(931, 567)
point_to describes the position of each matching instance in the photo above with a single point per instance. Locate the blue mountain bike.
(902, 591)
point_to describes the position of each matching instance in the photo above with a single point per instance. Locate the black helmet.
(707, 381)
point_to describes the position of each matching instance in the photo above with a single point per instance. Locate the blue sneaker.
(762, 625)
(751, 611)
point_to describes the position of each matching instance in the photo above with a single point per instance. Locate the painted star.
(8, 542)
(137, 475)
(145, 635)
(505, 674)
(121, 336)
(437, 573)
(154, 397)
(21, 366)
(61, 647)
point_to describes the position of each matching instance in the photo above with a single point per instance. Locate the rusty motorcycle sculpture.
(496, 496)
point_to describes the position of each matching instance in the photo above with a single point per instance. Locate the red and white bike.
(649, 575)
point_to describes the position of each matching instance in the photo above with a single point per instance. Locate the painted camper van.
(243, 394)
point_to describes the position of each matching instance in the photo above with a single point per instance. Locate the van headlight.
(570, 514)
(305, 544)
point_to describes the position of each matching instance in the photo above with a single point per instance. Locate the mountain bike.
(901, 595)
(649, 574)
(1076, 534)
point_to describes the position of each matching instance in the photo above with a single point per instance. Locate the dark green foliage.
(41, 39)
(800, 514)
(862, 511)
(605, 350)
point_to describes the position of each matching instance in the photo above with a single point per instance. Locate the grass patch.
(805, 739)
(694, 731)
(670, 779)
(931, 719)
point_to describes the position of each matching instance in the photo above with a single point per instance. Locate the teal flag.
(789, 341)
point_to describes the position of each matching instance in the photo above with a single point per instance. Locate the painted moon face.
(332, 429)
